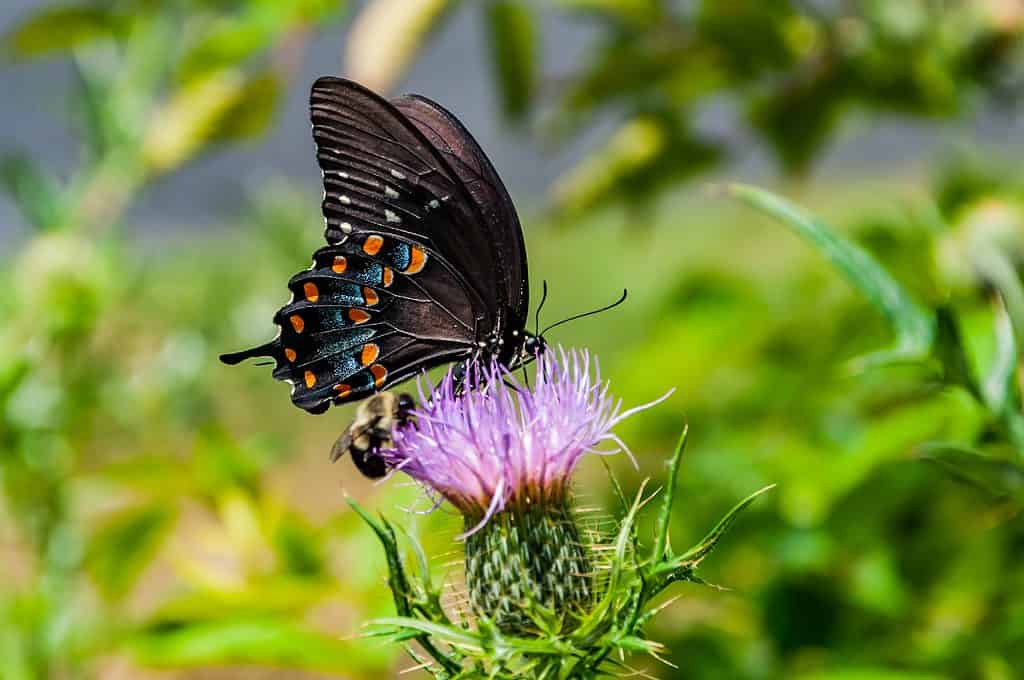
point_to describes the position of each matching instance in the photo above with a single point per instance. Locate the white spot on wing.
(345, 199)
(389, 192)
(345, 227)
(391, 216)
(434, 204)
(397, 175)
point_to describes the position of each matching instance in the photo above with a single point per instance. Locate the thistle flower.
(504, 455)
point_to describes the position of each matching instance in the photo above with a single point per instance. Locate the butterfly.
(425, 262)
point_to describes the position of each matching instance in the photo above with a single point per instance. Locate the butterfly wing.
(485, 188)
(383, 176)
(357, 324)
(406, 281)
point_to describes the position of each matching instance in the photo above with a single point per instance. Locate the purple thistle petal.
(507, 444)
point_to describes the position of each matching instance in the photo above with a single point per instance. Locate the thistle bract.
(503, 454)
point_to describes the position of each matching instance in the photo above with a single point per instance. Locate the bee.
(371, 430)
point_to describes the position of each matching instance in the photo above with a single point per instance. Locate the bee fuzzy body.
(372, 430)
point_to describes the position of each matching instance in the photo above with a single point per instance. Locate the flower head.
(505, 444)
(503, 453)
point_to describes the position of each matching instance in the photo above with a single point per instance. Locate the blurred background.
(165, 516)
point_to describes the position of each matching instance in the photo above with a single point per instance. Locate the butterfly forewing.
(381, 175)
(485, 188)
(424, 262)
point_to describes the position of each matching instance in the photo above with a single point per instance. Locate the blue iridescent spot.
(348, 294)
(345, 366)
(351, 338)
(400, 256)
(370, 275)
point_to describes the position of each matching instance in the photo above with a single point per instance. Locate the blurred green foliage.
(158, 510)
(789, 73)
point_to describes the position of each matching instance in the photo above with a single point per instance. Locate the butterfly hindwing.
(351, 317)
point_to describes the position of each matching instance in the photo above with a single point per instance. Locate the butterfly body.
(424, 262)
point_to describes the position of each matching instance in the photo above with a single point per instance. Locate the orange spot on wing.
(379, 374)
(371, 297)
(417, 258)
(343, 390)
(370, 353)
(289, 354)
(373, 244)
(297, 323)
(389, 276)
(358, 316)
(310, 379)
(340, 264)
(311, 291)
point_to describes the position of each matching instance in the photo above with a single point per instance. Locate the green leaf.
(385, 37)
(514, 45)
(650, 152)
(397, 580)
(868, 674)
(694, 555)
(221, 107)
(399, 584)
(38, 196)
(252, 110)
(262, 641)
(661, 527)
(632, 643)
(1002, 479)
(450, 634)
(638, 12)
(1000, 386)
(233, 39)
(949, 350)
(121, 548)
(635, 145)
(798, 121)
(269, 597)
(298, 548)
(913, 325)
(224, 46)
(61, 29)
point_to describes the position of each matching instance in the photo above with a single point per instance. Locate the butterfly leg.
(459, 372)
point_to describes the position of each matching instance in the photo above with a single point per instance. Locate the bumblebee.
(376, 419)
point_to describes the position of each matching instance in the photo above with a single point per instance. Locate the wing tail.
(270, 349)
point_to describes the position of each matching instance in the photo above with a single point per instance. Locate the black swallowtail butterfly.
(424, 264)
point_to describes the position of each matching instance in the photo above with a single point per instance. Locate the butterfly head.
(524, 347)
(533, 346)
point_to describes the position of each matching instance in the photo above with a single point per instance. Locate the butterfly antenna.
(543, 299)
(590, 313)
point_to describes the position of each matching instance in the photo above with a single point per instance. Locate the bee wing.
(341, 445)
